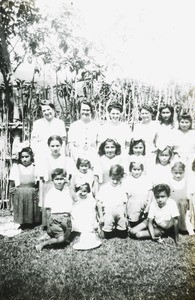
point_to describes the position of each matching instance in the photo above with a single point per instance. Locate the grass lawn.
(119, 269)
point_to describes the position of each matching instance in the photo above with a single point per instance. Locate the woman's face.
(25, 159)
(115, 115)
(145, 116)
(55, 147)
(85, 112)
(110, 150)
(48, 112)
(184, 124)
(138, 149)
(165, 114)
(164, 157)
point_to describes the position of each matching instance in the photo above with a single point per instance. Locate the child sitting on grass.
(111, 203)
(58, 204)
(162, 217)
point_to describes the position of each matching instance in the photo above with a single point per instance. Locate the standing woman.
(23, 187)
(146, 129)
(184, 138)
(114, 128)
(45, 127)
(165, 131)
(83, 134)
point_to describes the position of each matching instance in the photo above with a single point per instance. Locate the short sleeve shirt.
(59, 201)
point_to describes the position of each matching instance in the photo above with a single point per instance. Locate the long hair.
(171, 109)
(29, 151)
(101, 150)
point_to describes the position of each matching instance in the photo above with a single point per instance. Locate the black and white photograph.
(97, 150)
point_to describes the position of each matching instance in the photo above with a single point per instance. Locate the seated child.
(162, 217)
(111, 204)
(84, 210)
(58, 204)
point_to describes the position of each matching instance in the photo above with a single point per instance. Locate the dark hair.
(133, 143)
(47, 103)
(161, 151)
(54, 138)
(82, 161)
(101, 150)
(161, 188)
(132, 165)
(116, 170)
(147, 107)
(86, 185)
(115, 105)
(58, 171)
(85, 103)
(193, 165)
(178, 164)
(185, 117)
(171, 109)
(29, 151)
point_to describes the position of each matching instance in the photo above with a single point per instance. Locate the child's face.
(184, 124)
(161, 198)
(110, 150)
(83, 192)
(25, 159)
(138, 149)
(166, 114)
(115, 180)
(178, 173)
(55, 147)
(136, 171)
(83, 168)
(115, 115)
(59, 182)
(164, 157)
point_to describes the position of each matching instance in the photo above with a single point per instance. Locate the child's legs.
(183, 207)
(60, 225)
(146, 233)
(140, 227)
(108, 222)
(121, 220)
(192, 210)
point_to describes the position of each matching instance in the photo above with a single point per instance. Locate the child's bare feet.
(38, 247)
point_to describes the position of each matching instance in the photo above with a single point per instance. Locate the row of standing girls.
(149, 157)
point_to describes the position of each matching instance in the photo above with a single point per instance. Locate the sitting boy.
(162, 217)
(58, 204)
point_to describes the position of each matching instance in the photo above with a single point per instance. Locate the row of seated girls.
(121, 180)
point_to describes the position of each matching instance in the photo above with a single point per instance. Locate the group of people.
(112, 179)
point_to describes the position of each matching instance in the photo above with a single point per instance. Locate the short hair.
(133, 143)
(185, 117)
(132, 165)
(178, 164)
(116, 170)
(157, 189)
(115, 105)
(161, 151)
(82, 161)
(58, 171)
(85, 103)
(171, 109)
(147, 107)
(29, 151)
(47, 103)
(101, 150)
(86, 185)
(54, 138)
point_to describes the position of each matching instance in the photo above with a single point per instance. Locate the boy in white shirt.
(58, 204)
(162, 217)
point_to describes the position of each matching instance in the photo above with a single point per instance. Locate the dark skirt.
(25, 205)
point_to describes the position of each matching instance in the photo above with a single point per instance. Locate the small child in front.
(111, 203)
(162, 217)
(58, 204)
